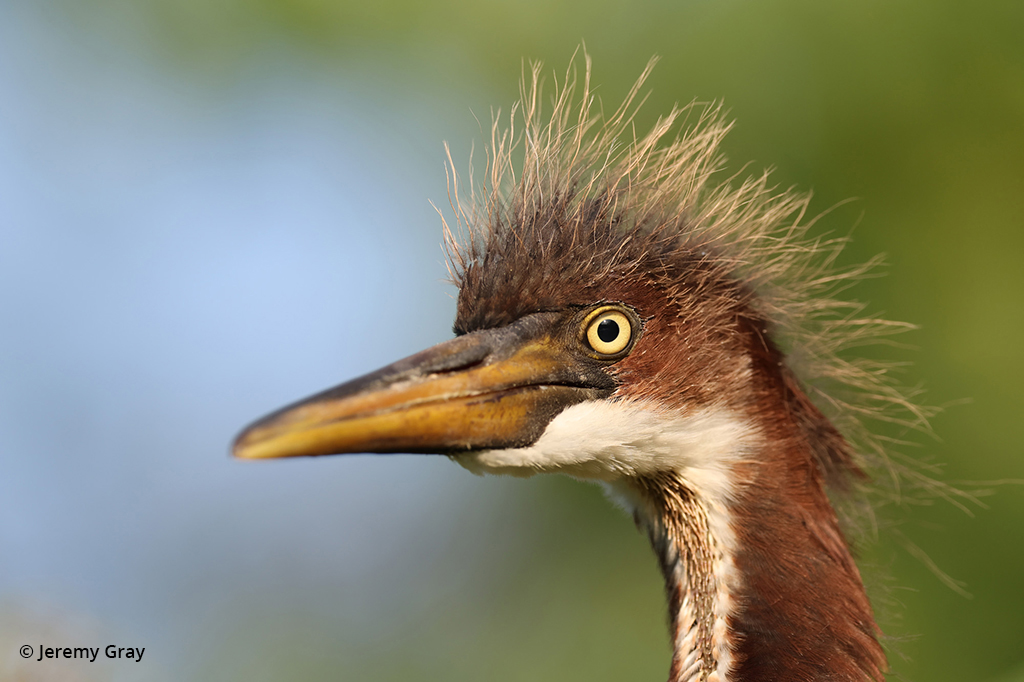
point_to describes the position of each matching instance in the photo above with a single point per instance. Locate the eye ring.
(609, 332)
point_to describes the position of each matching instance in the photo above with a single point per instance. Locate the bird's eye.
(609, 331)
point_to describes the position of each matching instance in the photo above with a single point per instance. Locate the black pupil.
(607, 330)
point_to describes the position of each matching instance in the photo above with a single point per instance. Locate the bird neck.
(691, 559)
(761, 586)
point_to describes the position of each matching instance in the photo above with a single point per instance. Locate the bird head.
(579, 373)
(622, 318)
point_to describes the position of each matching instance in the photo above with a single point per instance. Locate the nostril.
(457, 359)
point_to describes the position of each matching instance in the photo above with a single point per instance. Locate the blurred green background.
(203, 140)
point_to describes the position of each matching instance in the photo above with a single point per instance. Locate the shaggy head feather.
(574, 203)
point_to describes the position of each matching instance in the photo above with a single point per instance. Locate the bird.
(629, 314)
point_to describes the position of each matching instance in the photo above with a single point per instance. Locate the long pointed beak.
(485, 390)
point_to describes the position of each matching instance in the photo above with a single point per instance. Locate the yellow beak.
(490, 389)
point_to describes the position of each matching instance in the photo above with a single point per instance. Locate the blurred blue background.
(209, 209)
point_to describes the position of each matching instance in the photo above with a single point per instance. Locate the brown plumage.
(686, 404)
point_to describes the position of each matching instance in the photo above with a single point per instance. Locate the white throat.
(608, 440)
